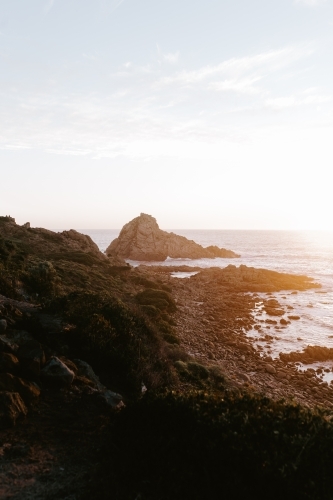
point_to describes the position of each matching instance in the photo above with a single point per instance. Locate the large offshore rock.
(142, 239)
(28, 391)
(11, 408)
(55, 372)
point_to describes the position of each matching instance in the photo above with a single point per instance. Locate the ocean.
(298, 252)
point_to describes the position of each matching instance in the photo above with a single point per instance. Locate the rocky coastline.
(79, 328)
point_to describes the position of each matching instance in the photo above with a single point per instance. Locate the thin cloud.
(280, 103)
(172, 58)
(310, 3)
(48, 6)
(245, 86)
(235, 67)
(135, 114)
(108, 7)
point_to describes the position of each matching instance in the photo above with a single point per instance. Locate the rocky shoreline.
(214, 312)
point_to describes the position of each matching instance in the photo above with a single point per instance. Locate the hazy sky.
(202, 113)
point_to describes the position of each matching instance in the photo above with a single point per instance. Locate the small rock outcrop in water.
(142, 239)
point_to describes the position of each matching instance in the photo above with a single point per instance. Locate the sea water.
(299, 252)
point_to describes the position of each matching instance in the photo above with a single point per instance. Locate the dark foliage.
(199, 447)
(140, 280)
(116, 338)
(158, 298)
(42, 279)
(12, 259)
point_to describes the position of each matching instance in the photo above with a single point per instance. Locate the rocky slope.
(142, 239)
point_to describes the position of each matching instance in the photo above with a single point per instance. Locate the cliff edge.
(142, 239)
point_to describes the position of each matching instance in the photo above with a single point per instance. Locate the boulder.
(55, 372)
(111, 399)
(11, 408)
(3, 325)
(32, 356)
(142, 239)
(270, 369)
(85, 370)
(8, 363)
(28, 391)
(70, 364)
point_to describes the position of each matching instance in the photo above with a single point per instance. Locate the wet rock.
(270, 369)
(32, 356)
(274, 312)
(55, 372)
(28, 391)
(284, 321)
(11, 408)
(8, 363)
(309, 355)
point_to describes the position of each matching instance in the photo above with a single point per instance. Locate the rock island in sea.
(142, 239)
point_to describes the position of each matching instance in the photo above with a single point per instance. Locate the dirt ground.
(50, 454)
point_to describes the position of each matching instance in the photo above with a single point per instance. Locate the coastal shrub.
(41, 277)
(151, 311)
(197, 370)
(147, 283)
(171, 338)
(141, 280)
(12, 255)
(12, 261)
(199, 446)
(85, 258)
(175, 353)
(210, 378)
(192, 370)
(158, 298)
(8, 282)
(165, 316)
(116, 339)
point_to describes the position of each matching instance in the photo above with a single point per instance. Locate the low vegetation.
(211, 446)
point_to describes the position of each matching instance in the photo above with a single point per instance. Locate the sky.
(210, 114)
